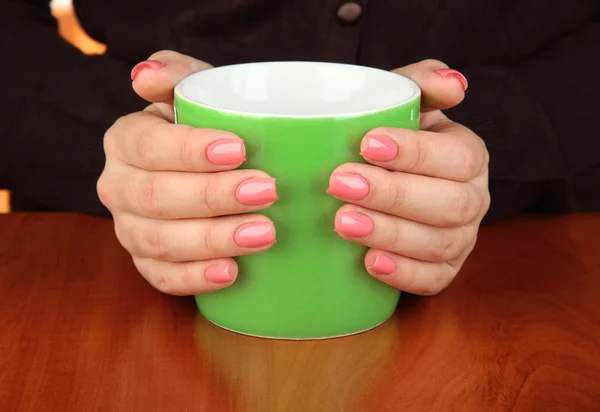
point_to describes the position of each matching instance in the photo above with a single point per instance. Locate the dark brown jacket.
(533, 68)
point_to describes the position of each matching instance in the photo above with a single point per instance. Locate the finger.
(155, 78)
(441, 87)
(178, 195)
(409, 275)
(405, 237)
(195, 239)
(424, 199)
(151, 143)
(453, 152)
(188, 278)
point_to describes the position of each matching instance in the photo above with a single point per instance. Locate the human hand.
(419, 203)
(173, 190)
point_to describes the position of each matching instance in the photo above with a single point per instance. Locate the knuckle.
(178, 281)
(207, 195)
(486, 153)
(462, 207)
(209, 242)
(110, 140)
(122, 235)
(487, 202)
(409, 277)
(447, 247)
(470, 240)
(399, 192)
(149, 271)
(422, 153)
(188, 279)
(393, 235)
(145, 150)
(471, 164)
(160, 281)
(188, 148)
(437, 285)
(155, 242)
(151, 202)
(104, 190)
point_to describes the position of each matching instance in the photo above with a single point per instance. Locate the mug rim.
(394, 78)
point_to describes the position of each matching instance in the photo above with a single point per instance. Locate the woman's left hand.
(419, 203)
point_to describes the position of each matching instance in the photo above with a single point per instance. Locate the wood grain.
(519, 330)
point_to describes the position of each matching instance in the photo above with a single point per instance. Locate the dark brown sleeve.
(56, 104)
(540, 121)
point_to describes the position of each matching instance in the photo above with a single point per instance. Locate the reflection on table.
(519, 330)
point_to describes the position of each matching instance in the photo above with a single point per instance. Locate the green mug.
(299, 121)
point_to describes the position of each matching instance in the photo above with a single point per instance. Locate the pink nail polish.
(352, 224)
(456, 74)
(218, 273)
(379, 148)
(148, 64)
(226, 152)
(348, 186)
(257, 191)
(255, 235)
(382, 265)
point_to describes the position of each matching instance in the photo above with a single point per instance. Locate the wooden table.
(519, 330)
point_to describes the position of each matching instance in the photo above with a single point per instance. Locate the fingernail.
(253, 235)
(454, 73)
(379, 148)
(348, 186)
(218, 273)
(257, 191)
(382, 265)
(353, 224)
(148, 64)
(226, 152)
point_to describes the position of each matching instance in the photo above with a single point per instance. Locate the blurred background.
(70, 29)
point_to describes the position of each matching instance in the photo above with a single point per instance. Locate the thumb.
(441, 87)
(155, 78)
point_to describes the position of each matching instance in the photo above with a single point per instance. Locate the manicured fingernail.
(253, 235)
(148, 64)
(257, 191)
(218, 273)
(379, 148)
(353, 224)
(454, 73)
(382, 265)
(348, 186)
(226, 152)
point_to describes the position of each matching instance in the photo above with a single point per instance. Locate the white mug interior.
(297, 89)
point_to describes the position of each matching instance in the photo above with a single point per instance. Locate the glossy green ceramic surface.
(311, 283)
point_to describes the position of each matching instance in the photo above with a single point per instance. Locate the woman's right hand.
(174, 191)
